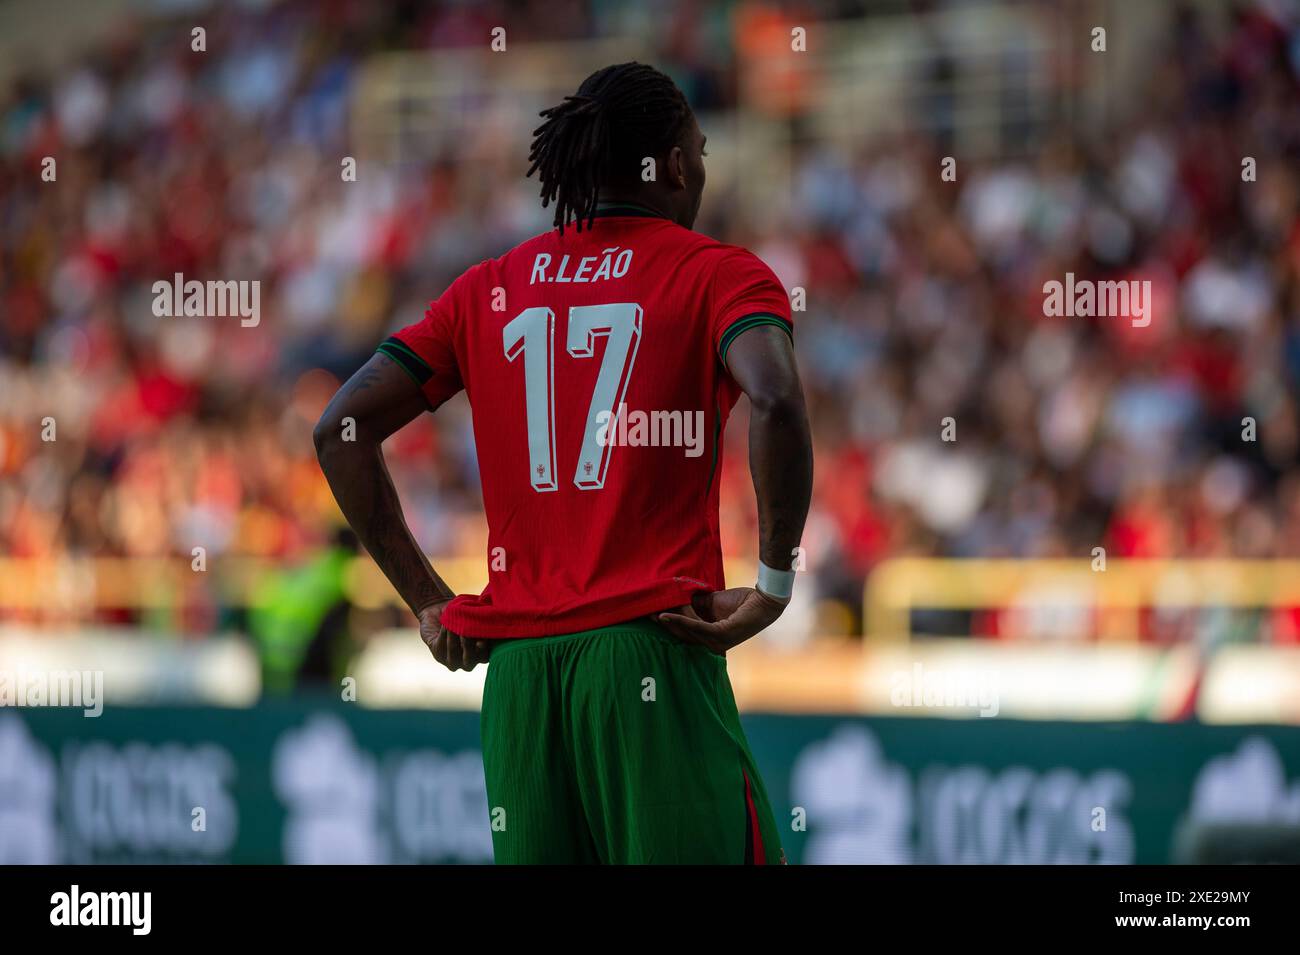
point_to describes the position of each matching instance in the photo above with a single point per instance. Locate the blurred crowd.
(924, 299)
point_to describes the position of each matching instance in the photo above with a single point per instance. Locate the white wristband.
(778, 584)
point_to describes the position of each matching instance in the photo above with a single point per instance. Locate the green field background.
(320, 781)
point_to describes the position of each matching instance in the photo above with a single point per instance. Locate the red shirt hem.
(466, 617)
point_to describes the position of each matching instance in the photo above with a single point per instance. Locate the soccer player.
(601, 360)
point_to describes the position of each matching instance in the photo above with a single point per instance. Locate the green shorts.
(619, 745)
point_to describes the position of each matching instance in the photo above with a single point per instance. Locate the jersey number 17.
(532, 334)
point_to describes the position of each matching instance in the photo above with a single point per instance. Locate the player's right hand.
(724, 618)
(451, 650)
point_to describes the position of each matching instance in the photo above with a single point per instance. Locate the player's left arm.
(380, 399)
(762, 362)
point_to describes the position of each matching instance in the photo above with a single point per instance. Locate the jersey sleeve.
(746, 294)
(426, 350)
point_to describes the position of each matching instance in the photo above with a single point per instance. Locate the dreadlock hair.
(600, 135)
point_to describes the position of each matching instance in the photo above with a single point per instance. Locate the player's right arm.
(380, 399)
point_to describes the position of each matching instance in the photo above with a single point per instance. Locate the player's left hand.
(451, 650)
(724, 618)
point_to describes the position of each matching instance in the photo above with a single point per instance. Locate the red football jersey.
(594, 367)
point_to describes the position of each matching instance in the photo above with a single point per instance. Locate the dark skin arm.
(762, 362)
(382, 398)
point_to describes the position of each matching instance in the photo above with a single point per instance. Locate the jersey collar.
(608, 209)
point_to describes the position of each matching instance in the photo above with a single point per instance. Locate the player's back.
(593, 362)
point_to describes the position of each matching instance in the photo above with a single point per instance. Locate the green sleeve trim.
(745, 323)
(411, 363)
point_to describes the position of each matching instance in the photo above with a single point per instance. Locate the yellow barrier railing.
(1118, 593)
